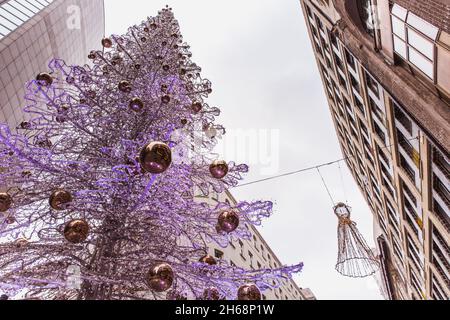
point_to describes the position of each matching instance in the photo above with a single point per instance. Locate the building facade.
(32, 32)
(256, 254)
(384, 66)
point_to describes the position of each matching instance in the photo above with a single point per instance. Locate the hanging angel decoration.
(355, 258)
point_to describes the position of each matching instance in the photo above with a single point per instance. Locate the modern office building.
(384, 66)
(32, 32)
(256, 254)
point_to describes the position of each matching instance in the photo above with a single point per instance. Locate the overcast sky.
(258, 55)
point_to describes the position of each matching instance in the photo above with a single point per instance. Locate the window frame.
(409, 47)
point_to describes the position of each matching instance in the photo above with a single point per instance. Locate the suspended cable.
(292, 173)
(326, 187)
(343, 183)
(309, 169)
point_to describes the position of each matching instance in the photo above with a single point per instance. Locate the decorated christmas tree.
(99, 186)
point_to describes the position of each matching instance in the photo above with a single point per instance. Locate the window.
(350, 59)
(308, 11)
(376, 110)
(319, 23)
(16, 12)
(342, 81)
(415, 254)
(333, 39)
(423, 26)
(441, 189)
(399, 12)
(366, 14)
(328, 62)
(414, 40)
(421, 62)
(372, 85)
(401, 117)
(407, 168)
(355, 83)
(398, 27)
(338, 62)
(218, 254)
(408, 148)
(380, 133)
(421, 44)
(400, 47)
(409, 193)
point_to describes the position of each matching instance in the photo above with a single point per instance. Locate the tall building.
(384, 66)
(256, 254)
(32, 32)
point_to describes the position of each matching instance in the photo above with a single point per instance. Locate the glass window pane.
(400, 47)
(39, 4)
(6, 23)
(28, 6)
(399, 12)
(35, 5)
(398, 27)
(420, 43)
(3, 30)
(423, 26)
(16, 12)
(22, 8)
(421, 62)
(7, 15)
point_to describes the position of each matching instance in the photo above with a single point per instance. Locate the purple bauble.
(228, 221)
(5, 202)
(44, 79)
(160, 277)
(218, 169)
(76, 231)
(249, 292)
(136, 104)
(60, 199)
(155, 157)
(208, 260)
(211, 294)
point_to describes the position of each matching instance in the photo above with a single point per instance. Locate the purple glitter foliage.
(83, 137)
